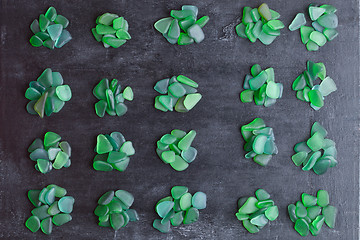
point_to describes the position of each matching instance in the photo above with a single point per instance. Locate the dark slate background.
(219, 65)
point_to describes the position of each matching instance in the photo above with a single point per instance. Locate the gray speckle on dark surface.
(219, 67)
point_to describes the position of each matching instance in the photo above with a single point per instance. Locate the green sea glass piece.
(33, 223)
(298, 21)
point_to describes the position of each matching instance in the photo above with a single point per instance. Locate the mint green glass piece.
(262, 159)
(318, 222)
(191, 216)
(330, 34)
(179, 164)
(177, 90)
(104, 29)
(272, 213)
(127, 148)
(106, 198)
(61, 219)
(189, 155)
(162, 227)
(250, 227)
(269, 31)
(309, 164)
(122, 34)
(256, 30)
(187, 81)
(32, 94)
(178, 133)
(203, 21)
(66, 204)
(46, 226)
(120, 23)
(313, 212)
(316, 142)
(273, 90)
(185, 201)
(53, 209)
(57, 79)
(159, 105)
(168, 139)
(54, 31)
(329, 212)
(107, 18)
(125, 197)
(168, 156)
(62, 20)
(255, 69)
(318, 38)
(51, 14)
(265, 203)
(240, 30)
(39, 154)
(259, 143)
(316, 98)
(298, 21)
(102, 166)
(246, 17)
(261, 194)
(33, 223)
(51, 138)
(258, 81)
(255, 16)
(164, 208)
(249, 32)
(100, 108)
(198, 201)
(174, 29)
(117, 221)
(177, 219)
(46, 78)
(184, 39)
(162, 86)
(305, 32)
(103, 145)
(185, 143)
(259, 220)
(241, 217)
(316, 127)
(196, 33)
(178, 191)
(247, 96)
(115, 157)
(167, 102)
(191, 100)
(187, 22)
(64, 38)
(299, 158)
(41, 212)
(312, 46)
(317, 27)
(163, 25)
(63, 92)
(323, 164)
(264, 11)
(50, 196)
(275, 24)
(249, 206)
(315, 12)
(308, 200)
(327, 86)
(256, 124)
(302, 227)
(43, 165)
(300, 210)
(329, 8)
(291, 212)
(327, 20)
(128, 94)
(322, 198)
(181, 14)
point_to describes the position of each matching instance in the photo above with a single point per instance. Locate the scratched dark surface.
(219, 65)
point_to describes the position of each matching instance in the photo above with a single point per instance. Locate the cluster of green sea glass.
(175, 149)
(113, 152)
(114, 211)
(182, 27)
(180, 207)
(260, 141)
(256, 212)
(260, 23)
(50, 153)
(51, 207)
(311, 212)
(306, 88)
(317, 153)
(179, 93)
(50, 30)
(111, 99)
(47, 95)
(260, 86)
(111, 30)
(324, 24)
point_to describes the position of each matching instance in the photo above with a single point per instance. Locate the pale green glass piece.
(327, 20)
(315, 12)
(330, 213)
(305, 32)
(189, 155)
(55, 31)
(299, 158)
(61, 219)
(322, 198)
(298, 21)
(63, 92)
(179, 164)
(308, 200)
(186, 141)
(64, 38)
(60, 160)
(128, 94)
(203, 21)
(275, 24)
(62, 20)
(240, 30)
(327, 86)
(46, 226)
(196, 33)
(120, 23)
(249, 206)
(264, 11)
(122, 34)
(330, 34)
(174, 29)
(318, 38)
(128, 148)
(191, 100)
(258, 81)
(311, 160)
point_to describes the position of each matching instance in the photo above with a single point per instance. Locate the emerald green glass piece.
(329, 212)
(127, 148)
(187, 81)
(178, 191)
(196, 33)
(32, 94)
(39, 154)
(63, 92)
(162, 227)
(258, 81)
(318, 38)
(181, 14)
(241, 217)
(103, 145)
(60, 160)
(312, 159)
(329, 8)
(265, 11)
(62, 20)
(299, 158)
(66, 204)
(51, 14)
(327, 86)
(249, 206)
(322, 198)
(316, 142)
(42, 35)
(184, 39)
(177, 90)
(302, 227)
(104, 29)
(246, 17)
(179, 164)
(308, 200)
(300, 210)
(49, 43)
(33, 196)
(33, 223)
(46, 226)
(102, 166)
(299, 83)
(316, 127)
(34, 26)
(164, 208)
(249, 32)
(203, 21)
(328, 20)
(330, 34)
(43, 22)
(316, 98)
(250, 227)
(46, 78)
(291, 212)
(198, 201)
(265, 203)
(106, 198)
(241, 201)
(51, 138)
(101, 87)
(247, 96)
(38, 86)
(113, 42)
(162, 146)
(61, 219)
(256, 124)
(186, 141)
(191, 100)
(115, 206)
(322, 165)
(41, 212)
(54, 31)
(133, 215)
(255, 69)
(261, 194)
(315, 12)
(100, 108)
(115, 157)
(305, 32)
(240, 30)
(97, 36)
(163, 25)
(174, 29)
(275, 24)
(298, 21)
(189, 155)
(64, 38)
(191, 216)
